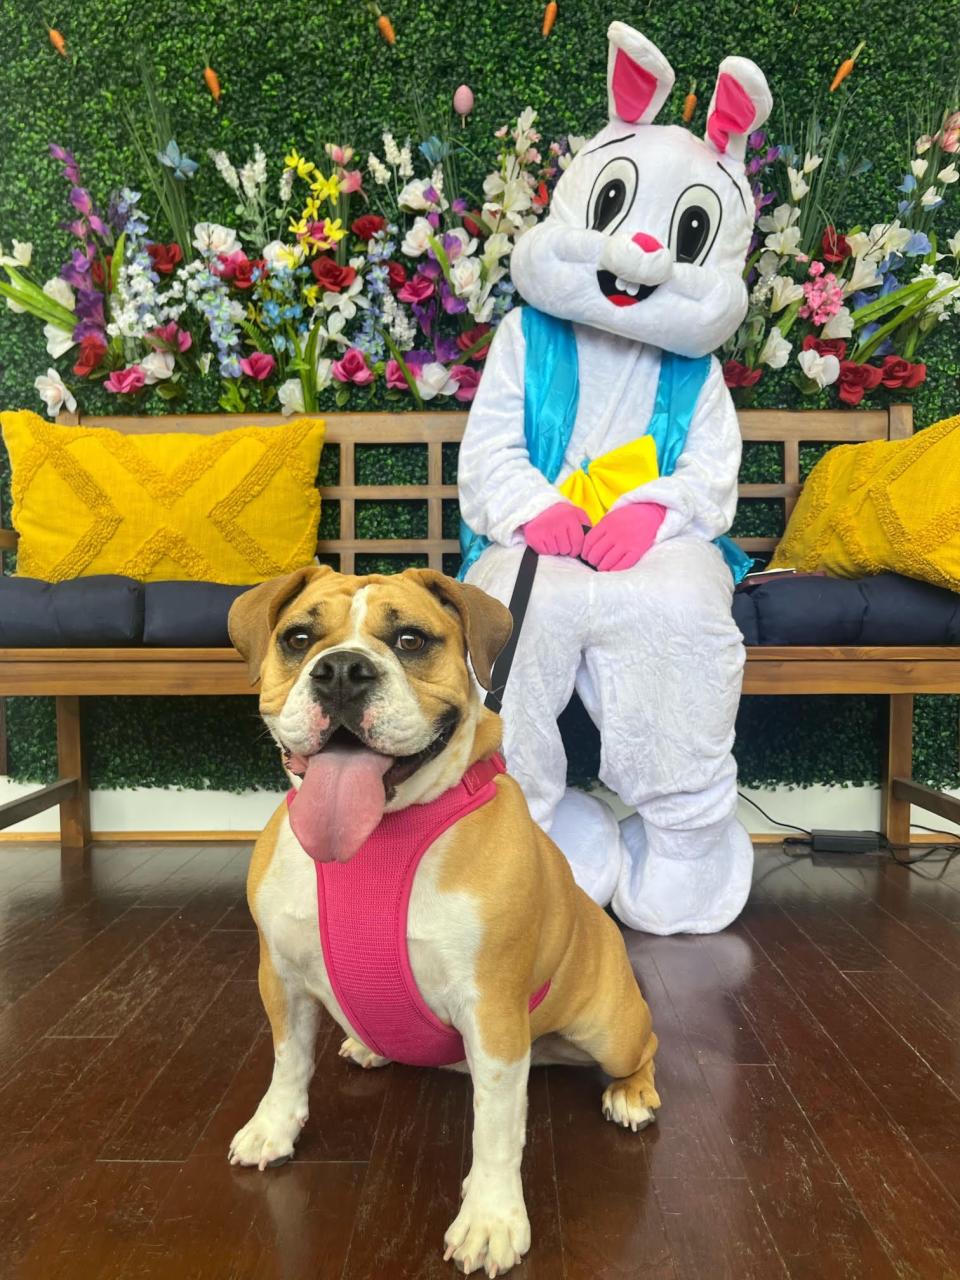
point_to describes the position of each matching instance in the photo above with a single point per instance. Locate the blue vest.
(550, 399)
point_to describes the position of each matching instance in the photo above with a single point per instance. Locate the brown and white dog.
(494, 912)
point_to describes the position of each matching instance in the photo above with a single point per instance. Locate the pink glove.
(623, 536)
(558, 531)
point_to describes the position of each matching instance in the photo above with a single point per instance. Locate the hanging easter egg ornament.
(463, 101)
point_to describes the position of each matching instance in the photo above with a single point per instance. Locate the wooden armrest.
(8, 540)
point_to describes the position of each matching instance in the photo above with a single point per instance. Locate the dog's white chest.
(443, 930)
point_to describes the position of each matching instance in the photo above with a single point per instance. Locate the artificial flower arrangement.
(332, 276)
(345, 276)
(851, 308)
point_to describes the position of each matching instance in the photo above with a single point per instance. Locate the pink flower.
(172, 337)
(823, 296)
(351, 181)
(949, 136)
(258, 365)
(124, 382)
(468, 379)
(419, 289)
(815, 269)
(394, 375)
(352, 367)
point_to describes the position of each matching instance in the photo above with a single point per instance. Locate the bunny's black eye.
(612, 194)
(694, 225)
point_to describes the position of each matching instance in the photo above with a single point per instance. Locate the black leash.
(518, 608)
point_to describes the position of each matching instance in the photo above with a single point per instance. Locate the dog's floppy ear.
(486, 622)
(253, 615)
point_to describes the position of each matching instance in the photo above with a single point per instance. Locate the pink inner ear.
(733, 112)
(633, 87)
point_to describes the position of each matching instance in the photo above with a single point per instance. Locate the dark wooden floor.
(809, 1067)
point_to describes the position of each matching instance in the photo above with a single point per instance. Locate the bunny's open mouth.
(621, 292)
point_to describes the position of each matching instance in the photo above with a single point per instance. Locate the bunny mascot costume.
(601, 406)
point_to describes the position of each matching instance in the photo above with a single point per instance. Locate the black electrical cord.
(788, 826)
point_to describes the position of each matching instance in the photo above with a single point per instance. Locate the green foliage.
(321, 73)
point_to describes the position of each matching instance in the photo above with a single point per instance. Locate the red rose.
(467, 339)
(238, 268)
(92, 351)
(473, 222)
(258, 365)
(101, 277)
(164, 257)
(825, 346)
(419, 289)
(855, 379)
(897, 372)
(368, 226)
(736, 374)
(834, 247)
(397, 275)
(332, 277)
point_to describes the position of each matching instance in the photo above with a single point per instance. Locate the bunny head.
(649, 227)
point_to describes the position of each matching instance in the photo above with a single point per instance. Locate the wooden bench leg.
(75, 810)
(897, 763)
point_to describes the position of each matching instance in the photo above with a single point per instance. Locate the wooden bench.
(69, 675)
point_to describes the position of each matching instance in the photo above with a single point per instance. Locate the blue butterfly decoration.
(181, 164)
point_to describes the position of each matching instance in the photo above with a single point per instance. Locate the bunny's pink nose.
(649, 244)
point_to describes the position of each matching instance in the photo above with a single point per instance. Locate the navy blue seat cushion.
(188, 614)
(884, 610)
(97, 612)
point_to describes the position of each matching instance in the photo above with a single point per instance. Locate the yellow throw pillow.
(236, 507)
(885, 506)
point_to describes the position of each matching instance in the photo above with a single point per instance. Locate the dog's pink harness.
(362, 907)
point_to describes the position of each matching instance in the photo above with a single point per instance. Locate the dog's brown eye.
(297, 640)
(410, 641)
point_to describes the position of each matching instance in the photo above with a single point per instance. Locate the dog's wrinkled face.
(365, 687)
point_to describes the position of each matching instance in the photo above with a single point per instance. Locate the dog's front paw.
(267, 1139)
(622, 1106)
(491, 1232)
(356, 1051)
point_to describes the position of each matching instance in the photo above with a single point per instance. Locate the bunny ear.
(741, 102)
(639, 78)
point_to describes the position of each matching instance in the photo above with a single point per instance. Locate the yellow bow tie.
(595, 486)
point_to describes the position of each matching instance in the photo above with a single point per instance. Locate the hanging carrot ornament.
(690, 103)
(57, 40)
(384, 25)
(549, 17)
(846, 67)
(212, 81)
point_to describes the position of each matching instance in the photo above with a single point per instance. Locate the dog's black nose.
(343, 675)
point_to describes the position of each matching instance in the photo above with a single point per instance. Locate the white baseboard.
(147, 809)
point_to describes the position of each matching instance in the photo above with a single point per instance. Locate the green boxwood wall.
(304, 73)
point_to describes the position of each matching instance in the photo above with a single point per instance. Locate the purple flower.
(756, 139)
(89, 329)
(432, 194)
(98, 226)
(77, 227)
(773, 155)
(433, 219)
(446, 349)
(80, 199)
(754, 166)
(424, 318)
(61, 154)
(430, 267)
(90, 306)
(459, 205)
(417, 359)
(451, 304)
(453, 246)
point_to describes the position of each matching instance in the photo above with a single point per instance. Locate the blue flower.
(909, 183)
(904, 207)
(917, 245)
(433, 150)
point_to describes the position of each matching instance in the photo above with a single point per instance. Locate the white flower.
(391, 150)
(276, 254)
(15, 307)
(59, 341)
(864, 275)
(158, 365)
(811, 162)
(221, 162)
(60, 291)
(495, 247)
(768, 262)
(783, 292)
(823, 370)
(204, 362)
(783, 237)
(918, 167)
(412, 195)
(838, 326)
(211, 238)
(417, 239)
(434, 380)
(465, 275)
(290, 395)
(798, 188)
(380, 172)
(893, 237)
(22, 254)
(286, 186)
(930, 198)
(324, 376)
(467, 242)
(953, 244)
(924, 142)
(946, 175)
(405, 167)
(776, 349)
(54, 393)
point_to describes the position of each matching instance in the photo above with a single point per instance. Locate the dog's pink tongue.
(339, 802)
